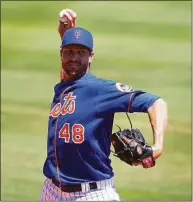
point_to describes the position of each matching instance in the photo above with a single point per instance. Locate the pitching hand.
(67, 18)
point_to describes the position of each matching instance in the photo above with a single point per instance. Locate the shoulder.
(108, 84)
(102, 81)
(112, 84)
(101, 84)
(93, 81)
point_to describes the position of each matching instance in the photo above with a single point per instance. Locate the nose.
(75, 55)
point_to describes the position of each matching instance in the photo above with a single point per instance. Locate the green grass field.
(143, 44)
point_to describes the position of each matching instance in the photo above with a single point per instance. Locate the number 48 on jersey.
(77, 134)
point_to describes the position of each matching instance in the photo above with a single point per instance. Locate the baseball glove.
(130, 147)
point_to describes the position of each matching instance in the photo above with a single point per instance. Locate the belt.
(73, 187)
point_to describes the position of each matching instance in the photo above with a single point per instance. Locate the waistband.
(85, 186)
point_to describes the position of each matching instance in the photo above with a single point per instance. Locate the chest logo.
(67, 108)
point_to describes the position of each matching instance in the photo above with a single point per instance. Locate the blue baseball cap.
(79, 36)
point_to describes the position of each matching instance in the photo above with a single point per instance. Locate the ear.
(91, 57)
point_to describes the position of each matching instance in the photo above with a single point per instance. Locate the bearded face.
(75, 60)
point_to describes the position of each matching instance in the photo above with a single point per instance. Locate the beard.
(74, 68)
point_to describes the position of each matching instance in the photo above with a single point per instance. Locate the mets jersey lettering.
(67, 108)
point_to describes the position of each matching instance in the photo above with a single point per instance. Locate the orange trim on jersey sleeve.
(129, 105)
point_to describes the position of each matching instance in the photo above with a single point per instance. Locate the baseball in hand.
(68, 16)
(63, 18)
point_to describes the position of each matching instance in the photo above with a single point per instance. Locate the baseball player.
(77, 167)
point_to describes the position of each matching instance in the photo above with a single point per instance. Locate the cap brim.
(75, 43)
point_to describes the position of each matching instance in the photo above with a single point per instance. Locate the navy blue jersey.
(80, 125)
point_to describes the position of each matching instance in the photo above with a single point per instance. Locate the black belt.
(73, 187)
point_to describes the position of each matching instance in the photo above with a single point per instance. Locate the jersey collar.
(63, 84)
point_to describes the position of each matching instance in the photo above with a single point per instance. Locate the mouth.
(73, 68)
(73, 64)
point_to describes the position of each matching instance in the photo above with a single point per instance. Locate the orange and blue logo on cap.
(77, 34)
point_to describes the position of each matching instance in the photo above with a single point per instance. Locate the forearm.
(158, 117)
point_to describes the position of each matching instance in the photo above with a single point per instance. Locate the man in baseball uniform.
(77, 167)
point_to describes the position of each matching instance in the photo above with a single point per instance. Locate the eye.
(69, 53)
(81, 52)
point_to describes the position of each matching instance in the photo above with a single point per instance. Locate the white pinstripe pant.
(105, 192)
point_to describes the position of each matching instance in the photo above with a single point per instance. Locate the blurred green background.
(143, 44)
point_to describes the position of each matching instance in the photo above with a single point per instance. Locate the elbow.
(157, 105)
(159, 109)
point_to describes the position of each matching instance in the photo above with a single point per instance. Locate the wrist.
(157, 150)
(63, 26)
(158, 147)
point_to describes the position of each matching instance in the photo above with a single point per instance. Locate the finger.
(74, 21)
(64, 14)
(73, 15)
(71, 12)
(61, 13)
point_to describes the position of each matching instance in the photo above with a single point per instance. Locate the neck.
(66, 78)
